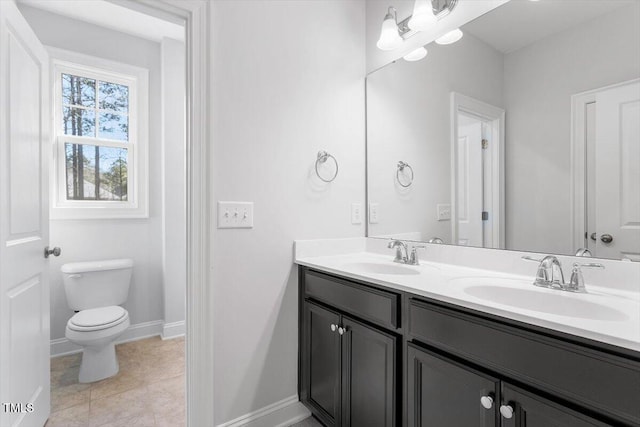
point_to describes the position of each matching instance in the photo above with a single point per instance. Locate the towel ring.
(401, 166)
(322, 158)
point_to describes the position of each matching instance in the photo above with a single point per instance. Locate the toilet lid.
(98, 318)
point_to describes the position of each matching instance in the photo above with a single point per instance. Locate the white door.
(470, 182)
(618, 172)
(24, 223)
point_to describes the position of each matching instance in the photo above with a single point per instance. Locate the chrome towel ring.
(322, 158)
(401, 167)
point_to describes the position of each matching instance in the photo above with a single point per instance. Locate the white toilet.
(95, 291)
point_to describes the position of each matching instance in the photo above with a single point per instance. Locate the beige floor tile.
(127, 378)
(65, 362)
(70, 395)
(162, 367)
(62, 378)
(174, 419)
(167, 397)
(138, 420)
(76, 416)
(127, 405)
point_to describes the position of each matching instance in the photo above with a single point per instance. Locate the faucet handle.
(413, 258)
(576, 284)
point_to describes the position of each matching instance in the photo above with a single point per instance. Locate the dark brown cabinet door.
(530, 410)
(321, 363)
(369, 364)
(443, 393)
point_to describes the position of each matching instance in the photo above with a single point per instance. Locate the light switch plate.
(444, 212)
(374, 209)
(356, 213)
(235, 214)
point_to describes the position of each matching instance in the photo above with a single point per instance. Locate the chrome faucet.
(413, 258)
(401, 251)
(549, 274)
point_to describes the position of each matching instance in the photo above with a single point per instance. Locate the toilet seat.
(96, 319)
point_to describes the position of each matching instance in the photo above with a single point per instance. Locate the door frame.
(578, 174)
(196, 16)
(495, 118)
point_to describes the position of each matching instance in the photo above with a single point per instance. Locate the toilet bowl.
(96, 330)
(95, 291)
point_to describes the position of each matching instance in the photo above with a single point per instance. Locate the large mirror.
(522, 135)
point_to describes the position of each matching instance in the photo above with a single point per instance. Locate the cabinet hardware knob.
(506, 411)
(55, 251)
(342, 330)
(487, 402)
(333, 327)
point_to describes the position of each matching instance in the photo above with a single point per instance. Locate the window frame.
(137, 79)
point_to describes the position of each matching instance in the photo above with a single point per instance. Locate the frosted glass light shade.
(450, 37)
(415, 55)
(423, 16)
(389, 37)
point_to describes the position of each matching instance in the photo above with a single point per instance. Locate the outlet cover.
(374, 210)
(356, 213)
(444, 212)
(235, 214)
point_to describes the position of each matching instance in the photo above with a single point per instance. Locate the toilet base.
(98, 363)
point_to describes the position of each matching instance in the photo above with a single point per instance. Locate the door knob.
(342, 330)
(506, 411)
(593, 236)
(606, 238)
(55, 251)
(333, 327)
(486, 401)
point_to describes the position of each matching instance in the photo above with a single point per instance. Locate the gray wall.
(288, 80)
(539, 82)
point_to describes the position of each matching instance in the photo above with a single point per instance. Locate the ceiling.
(110, 15)
(520, 23)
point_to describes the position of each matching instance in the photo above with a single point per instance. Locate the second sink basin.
(381, 268)
(544, 301)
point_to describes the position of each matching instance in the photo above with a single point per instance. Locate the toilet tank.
(96, 283)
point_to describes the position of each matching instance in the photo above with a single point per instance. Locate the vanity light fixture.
(416, 55)
(423, 16)
(389, 35)
(450, 37)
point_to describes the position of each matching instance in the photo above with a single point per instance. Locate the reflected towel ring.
(401, 166)
(322, 158)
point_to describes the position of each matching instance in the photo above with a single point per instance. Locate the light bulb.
(389, 37)
(415, 55)
(423, 16)
(450, 37)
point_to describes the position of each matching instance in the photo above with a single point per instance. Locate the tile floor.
(308, 422)
(149, 390)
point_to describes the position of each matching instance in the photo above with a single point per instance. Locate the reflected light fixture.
(423, 16)
(389, 36)
(416, 55)
(450, 37)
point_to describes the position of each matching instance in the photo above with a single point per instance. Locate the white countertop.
(608, 315)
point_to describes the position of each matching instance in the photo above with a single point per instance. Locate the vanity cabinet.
(375, 356)
(348, 366)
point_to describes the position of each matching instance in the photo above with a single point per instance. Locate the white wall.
(139, 239)
(408, 119)
(288, 80)
(174, 216)
(539, 82)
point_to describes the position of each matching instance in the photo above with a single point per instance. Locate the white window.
(101, 132)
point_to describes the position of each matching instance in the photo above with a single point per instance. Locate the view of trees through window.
(99, 111)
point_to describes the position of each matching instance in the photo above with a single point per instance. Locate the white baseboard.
(280, 414)
(173, 330)
(62, 346)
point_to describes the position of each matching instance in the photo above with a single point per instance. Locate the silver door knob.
(606, 238)
(487, 402)
(333, 327)
(342, 330)
(506, 411)
(55, 251)
(593, 236)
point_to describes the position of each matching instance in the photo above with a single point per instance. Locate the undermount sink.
(381, 268)
(544, 301)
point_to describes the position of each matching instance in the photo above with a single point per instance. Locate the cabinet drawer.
(371, 304)
(589, 377)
